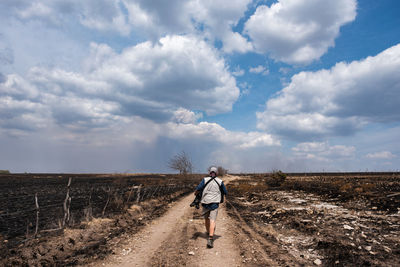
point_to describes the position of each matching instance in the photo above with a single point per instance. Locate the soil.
(302, 222)
(312, 227)
(91, 241)
(179, 239)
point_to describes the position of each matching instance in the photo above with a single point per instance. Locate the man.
(211, 189)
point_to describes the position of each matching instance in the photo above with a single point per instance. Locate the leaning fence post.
(108, 200)
(37, 215)
(155, 191)
(27, 229)
(144, 193)
(88, 211)
(138, 193)
(68, 210)
(129, 196)
(66, 206)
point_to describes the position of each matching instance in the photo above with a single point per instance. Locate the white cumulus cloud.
(323, 151)
(93, 14)
(238, 72)
(159, 82)
(298, 31)
(213, 132)
(213, 20)
(182, 115)
(147, 80)
(259, 70)
(179, 71)
(381, 155)
(338, 101)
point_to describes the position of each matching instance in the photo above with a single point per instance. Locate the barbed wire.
(18, 224)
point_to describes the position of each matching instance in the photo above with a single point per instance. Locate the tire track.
(178, 239)
(263, 252)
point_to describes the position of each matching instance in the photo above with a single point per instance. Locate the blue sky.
(122, 86)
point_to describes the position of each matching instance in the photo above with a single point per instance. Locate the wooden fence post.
(37, 215)
(108, 200)
(138, 194)
(67, 204)
(89, 211)
(27, 229)
(129, 196)
(155, 191)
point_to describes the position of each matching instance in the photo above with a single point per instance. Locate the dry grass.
(246, 187)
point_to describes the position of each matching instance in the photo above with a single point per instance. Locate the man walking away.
(212, 189)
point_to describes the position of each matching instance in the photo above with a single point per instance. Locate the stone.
(348, 227)
(317, 262)
(191, 253)
(387, 249)
(363, 235)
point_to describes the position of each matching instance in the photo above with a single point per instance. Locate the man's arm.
(224, 189)
(200, 187)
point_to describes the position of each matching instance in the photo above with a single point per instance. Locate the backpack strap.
(219, 185)
(222, 191)
(209, 182)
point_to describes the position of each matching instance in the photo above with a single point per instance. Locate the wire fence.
(37, 206)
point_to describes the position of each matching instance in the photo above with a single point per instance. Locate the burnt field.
(327, 220)
(280, 220)
(43, 221)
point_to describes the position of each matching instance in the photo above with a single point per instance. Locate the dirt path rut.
(178, 239)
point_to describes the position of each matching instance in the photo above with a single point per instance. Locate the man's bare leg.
(207, 223)
(212, 227)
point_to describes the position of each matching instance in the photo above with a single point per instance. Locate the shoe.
(210, 243)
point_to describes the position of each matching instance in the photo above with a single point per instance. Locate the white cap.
(214, 169)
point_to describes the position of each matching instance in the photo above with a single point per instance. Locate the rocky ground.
(317, 229)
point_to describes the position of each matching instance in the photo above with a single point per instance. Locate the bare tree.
(222, 171)
(181, 162)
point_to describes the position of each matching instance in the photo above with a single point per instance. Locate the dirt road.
(178, 239)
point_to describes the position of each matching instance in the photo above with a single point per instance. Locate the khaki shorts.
(210, 214)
